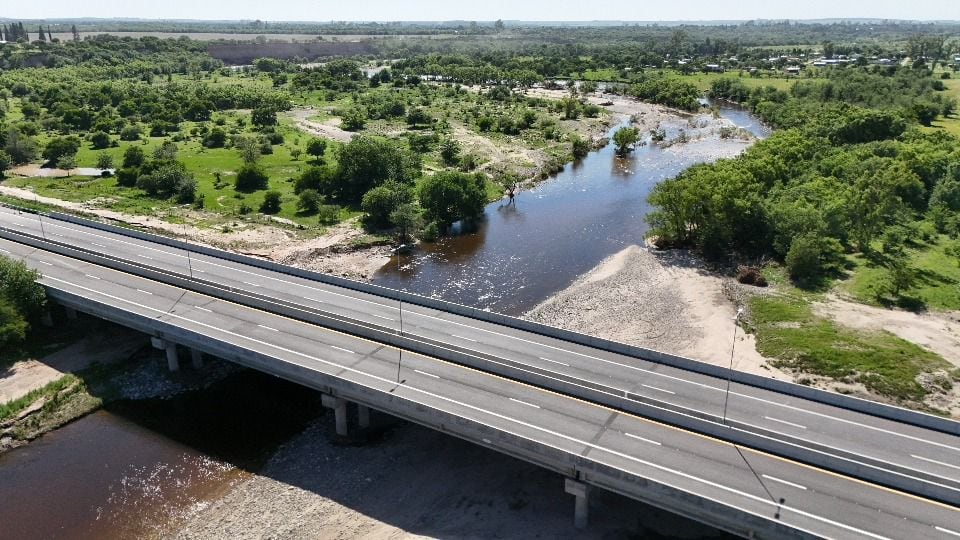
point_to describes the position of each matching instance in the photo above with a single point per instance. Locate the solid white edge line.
(935, 461)
(522, 402)
(945, 530)
(785, 422)
(146, 244)
(428, 375)
(658, 389)
(639, 438)
(785, 482)
(688, 476)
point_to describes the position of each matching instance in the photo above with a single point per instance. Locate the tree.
(19, 287)
(449, 196)
(902, 275)
(249, 150)
(316, 148)
(41, 36)
(366, 162)
(133, 156)
(803, 258)
(166, 151)
(67, 163)
(100, 140)
(309, 201)
(382, 200)
(169, 179)
(251, 177)
(130, 133)
(263, 117)
(354, 119)
(5, 163)
(104, 161)
(271, 202)
(13, 327)
(21, 148)
(417, 117)
(450, 151)
(579, 146)
(76, 33)
(624, 138)
(320, 179)
(217, 138)
(406, 218)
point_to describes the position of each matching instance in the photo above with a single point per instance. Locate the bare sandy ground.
(414, 483)
(103, 347)
(329, 129)
(664, 301)
(330, 252)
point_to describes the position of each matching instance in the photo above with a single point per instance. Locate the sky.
(484, 10)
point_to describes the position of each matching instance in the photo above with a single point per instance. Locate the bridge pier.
(581, 493)
(196, 356)
(339, 406)
(46, 319)
(173, 359)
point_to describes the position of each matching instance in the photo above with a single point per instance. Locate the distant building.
(792, 70)
(713, 68)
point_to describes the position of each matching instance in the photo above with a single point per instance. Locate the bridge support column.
(339, 406)
(581, 492)
(363, 416)
(173, 360)
(71, 313)
(46, 319)
(197, 357)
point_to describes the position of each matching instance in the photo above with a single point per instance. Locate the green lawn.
(787, 329)
(703, 80)
(937, 285)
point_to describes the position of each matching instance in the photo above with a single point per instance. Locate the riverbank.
(662, 300)
(412, 482)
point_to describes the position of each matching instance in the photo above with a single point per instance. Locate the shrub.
(100, 140)
(309, 201)
(271, 203)
(104, 161)
(127, 177)
(13, 327)
(133, 156)
(131, 133)
(217, 138)
(251, 177)
(803, 258)
(750, 275)
(328, 214)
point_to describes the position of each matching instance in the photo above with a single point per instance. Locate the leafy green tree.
(21, 148)
(803, 258)
(902, 276)
(60, 147)
(406, 219)
(418, 117)
(579, 146)
(366, 162)
(321, 179)
(133, 156)
(131, 133)
(166, 151)
(104, 161)
(5, 163)
(100, 140)
(271, 202)
(216, 138)
(18, 285)
(168, 179)
(382, 200)
(250, 150)
(67, 163)
(251, 177)
(354, 119)
(316, 148)
(127, 176)
(13, 326)
(450, 151)
(624, 139)
(309, 202)
(449, 196)
(263, 117)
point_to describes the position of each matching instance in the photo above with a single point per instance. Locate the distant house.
(792, 70)
(713, 68)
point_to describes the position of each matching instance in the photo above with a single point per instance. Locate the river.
(133, 469)
(525, 251)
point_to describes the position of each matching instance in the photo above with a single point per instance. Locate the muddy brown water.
(527, 250)
(133, 469)
(136, 468)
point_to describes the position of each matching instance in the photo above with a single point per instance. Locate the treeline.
(127, 56)
(912, 94)
(22, 301)
(836, 180)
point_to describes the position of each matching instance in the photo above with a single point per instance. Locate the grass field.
(787, 329)
(952, 124)
(937, 283)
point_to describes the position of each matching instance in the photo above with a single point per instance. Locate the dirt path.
(106, 347)
(664, 301)
(329, 129)
(937, 332)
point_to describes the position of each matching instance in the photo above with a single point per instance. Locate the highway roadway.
(908, 451)
(816, 501)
